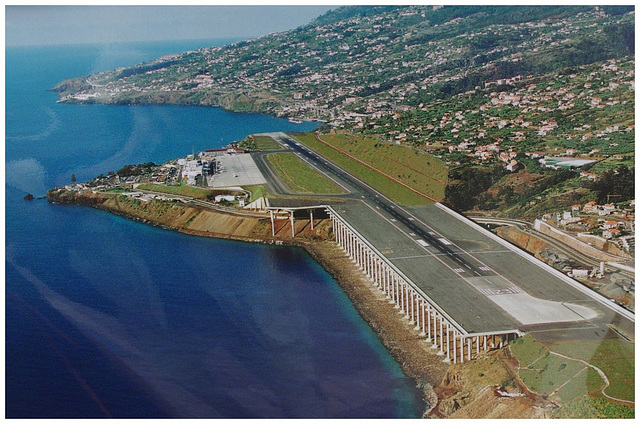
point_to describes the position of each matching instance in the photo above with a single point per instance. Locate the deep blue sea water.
(107, 317)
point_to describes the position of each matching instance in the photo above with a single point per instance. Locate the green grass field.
(569, 380)
(419, 171)
(257, 191)
(181, 190)
(613, 356)
(263, 142)
(612, 164)
(300, 177)
(546, 373)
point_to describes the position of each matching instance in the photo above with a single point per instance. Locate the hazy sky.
(36, 25)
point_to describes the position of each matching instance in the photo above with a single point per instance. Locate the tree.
(619, 183)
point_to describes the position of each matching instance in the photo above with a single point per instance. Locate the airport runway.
(482, 282)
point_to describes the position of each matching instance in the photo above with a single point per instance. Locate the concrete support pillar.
(372, 265)
(441, 339)
(365, 260)
(347, 242)
(376, 271)
(447, 359)
(461, 349)
(394, 286)
(388, 282)
(410, 308)
(429, 333)
(385, 279)
(485, 343)
(437, 336)
(407, 306)
(422, 309)
(354, 242)
(469, 349)
(336, 229)
(398, 293)
(416, 311)
(477, 345)
(343, 236)
(434, 329)
(418, 321)
(293, 227)
(455, 361)
(311, 214)
(394, 290)
(354, 247)
(416, 314)
(273, 226)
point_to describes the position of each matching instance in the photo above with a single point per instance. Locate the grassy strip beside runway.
(417, 170)
(262, 143)
(300, 177)
(181, 190)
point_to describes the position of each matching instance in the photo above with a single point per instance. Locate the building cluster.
(192, 170)
(506, 123)
(610, 221)
(357, 70)
(195, 169)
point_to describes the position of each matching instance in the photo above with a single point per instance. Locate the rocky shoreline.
(418, 361)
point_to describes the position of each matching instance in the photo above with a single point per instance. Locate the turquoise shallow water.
(110, 317)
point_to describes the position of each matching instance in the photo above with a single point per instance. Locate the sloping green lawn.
(417, 170)
(569, 380)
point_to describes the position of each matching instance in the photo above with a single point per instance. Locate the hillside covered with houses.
(531, 107)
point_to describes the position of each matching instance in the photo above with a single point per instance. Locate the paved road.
(483, 284)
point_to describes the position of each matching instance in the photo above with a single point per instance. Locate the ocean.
(107, 317)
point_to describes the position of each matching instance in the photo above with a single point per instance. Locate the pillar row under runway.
(445, 336)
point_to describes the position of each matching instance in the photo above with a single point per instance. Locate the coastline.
(395, 332)
(440, 383)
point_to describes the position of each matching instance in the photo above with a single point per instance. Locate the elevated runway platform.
(461, 285)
